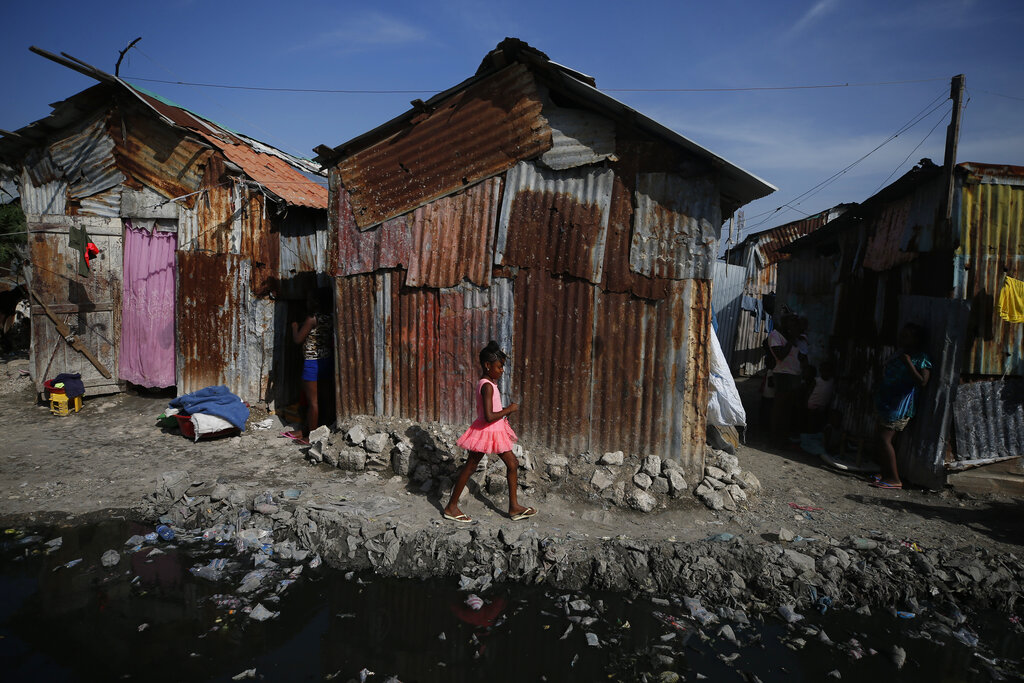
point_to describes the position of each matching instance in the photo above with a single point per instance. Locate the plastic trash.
(245, 675)
(54, 544)
(261, 613)
(135, 540)
(315, 562)
(864, 544)
(966, 637)
(823, 603)
(364, 674)
(292, 494)
(899, 656)
(151, 537)
(165, 532)
(475, 602)
(593, 640)
(110, 558)
(723, 537)
(698, 612)
(789, 614)
(905, 615)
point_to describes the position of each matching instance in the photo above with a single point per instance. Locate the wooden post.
(956, 93)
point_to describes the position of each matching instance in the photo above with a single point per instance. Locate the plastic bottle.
(165, 532)
(698, 612)
(864, 544)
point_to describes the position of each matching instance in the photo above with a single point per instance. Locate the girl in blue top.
(902, 377)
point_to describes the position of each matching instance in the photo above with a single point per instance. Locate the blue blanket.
(73, 384)
(214, 401)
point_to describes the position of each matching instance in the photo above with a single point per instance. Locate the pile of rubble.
(429, 457)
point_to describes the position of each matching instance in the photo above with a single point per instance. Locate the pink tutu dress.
(488, 437)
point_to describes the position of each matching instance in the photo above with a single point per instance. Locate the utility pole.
(956, 93)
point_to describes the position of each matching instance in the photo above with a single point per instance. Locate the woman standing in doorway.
(314, 335)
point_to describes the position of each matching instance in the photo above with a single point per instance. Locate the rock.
(676, 482)
(219, 492)
(728, 503)
(660, 486)
(749, 482)
(265, 508)
(174, 484)
(652, 466)
(616, 458)
(601, 480)
(737, 493)
(556, 465)
(899, 656)
(642, 480)
(401, 460)
(842, 557)
(556, 472)
(668, 465)
(729, 463)
(713, 483)
(356, 436)
(638, 499)
(110, 558)
(802, 563)
(321, 433)
(330, 457)
(716, 473)
(378, 443)
(668, 677)
(785, 535)
(496, 483)
(616, 494)
(710, 497)
(353, 459)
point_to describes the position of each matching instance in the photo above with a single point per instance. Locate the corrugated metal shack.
(760, 254)
(893, 260)
(525, 205)
(250, 225)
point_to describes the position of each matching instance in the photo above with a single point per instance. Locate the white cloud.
(816, 12)
(367, 30)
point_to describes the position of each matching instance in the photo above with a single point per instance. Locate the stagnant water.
(150, 618)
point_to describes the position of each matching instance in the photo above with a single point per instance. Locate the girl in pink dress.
(489, 433)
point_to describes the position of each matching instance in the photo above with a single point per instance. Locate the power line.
(929, 108)
(429, 91)
(999, 94)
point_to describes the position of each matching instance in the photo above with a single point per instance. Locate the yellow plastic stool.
(60, 404)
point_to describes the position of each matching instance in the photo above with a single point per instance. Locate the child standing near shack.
(903, 375)
(490, 433)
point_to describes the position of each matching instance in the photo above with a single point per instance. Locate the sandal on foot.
(885, 485)
(461, 518)
(528, 512)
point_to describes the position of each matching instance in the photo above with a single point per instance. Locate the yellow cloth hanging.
(1011, 301)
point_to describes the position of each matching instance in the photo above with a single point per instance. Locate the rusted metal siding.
(726, 298)
(453, 238)
(225, 333)
(412, 388)
(304, 247)
(675, 227)
(90, 306)
(578, 138)
(388, 245)
(478, 133)
(618, 277)
(883, 247)
(555, 220)
(86, 160)
(991, 249)
(354, 338)
(554, 320)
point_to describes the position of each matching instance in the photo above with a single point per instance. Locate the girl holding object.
(489, 433)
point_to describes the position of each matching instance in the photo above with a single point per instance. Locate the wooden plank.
(63, 309)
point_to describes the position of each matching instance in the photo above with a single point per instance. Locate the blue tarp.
(214, 401)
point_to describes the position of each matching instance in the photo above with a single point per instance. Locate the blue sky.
(792, 138)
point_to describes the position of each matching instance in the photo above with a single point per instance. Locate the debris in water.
(261, 613)
(899, 656)
(789, 614)
(248, 673)
(592, 640)
(110, 558)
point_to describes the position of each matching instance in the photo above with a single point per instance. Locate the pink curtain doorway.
(147, 319)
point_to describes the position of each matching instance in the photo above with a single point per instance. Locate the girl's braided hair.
(491, 353)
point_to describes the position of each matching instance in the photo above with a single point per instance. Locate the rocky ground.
(798, 532)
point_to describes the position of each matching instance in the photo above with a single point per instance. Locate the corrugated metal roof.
(1001, 174)
(477, 133)
(675, 227)
(453, 237)
(158, 156)
(1001, 433)
(555, 220)
(578, 138)
(106, 204)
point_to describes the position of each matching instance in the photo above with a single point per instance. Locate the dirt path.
(111, 455)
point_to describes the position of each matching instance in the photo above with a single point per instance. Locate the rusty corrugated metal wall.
(605, 354)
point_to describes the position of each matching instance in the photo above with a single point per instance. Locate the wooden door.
(90, 305)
